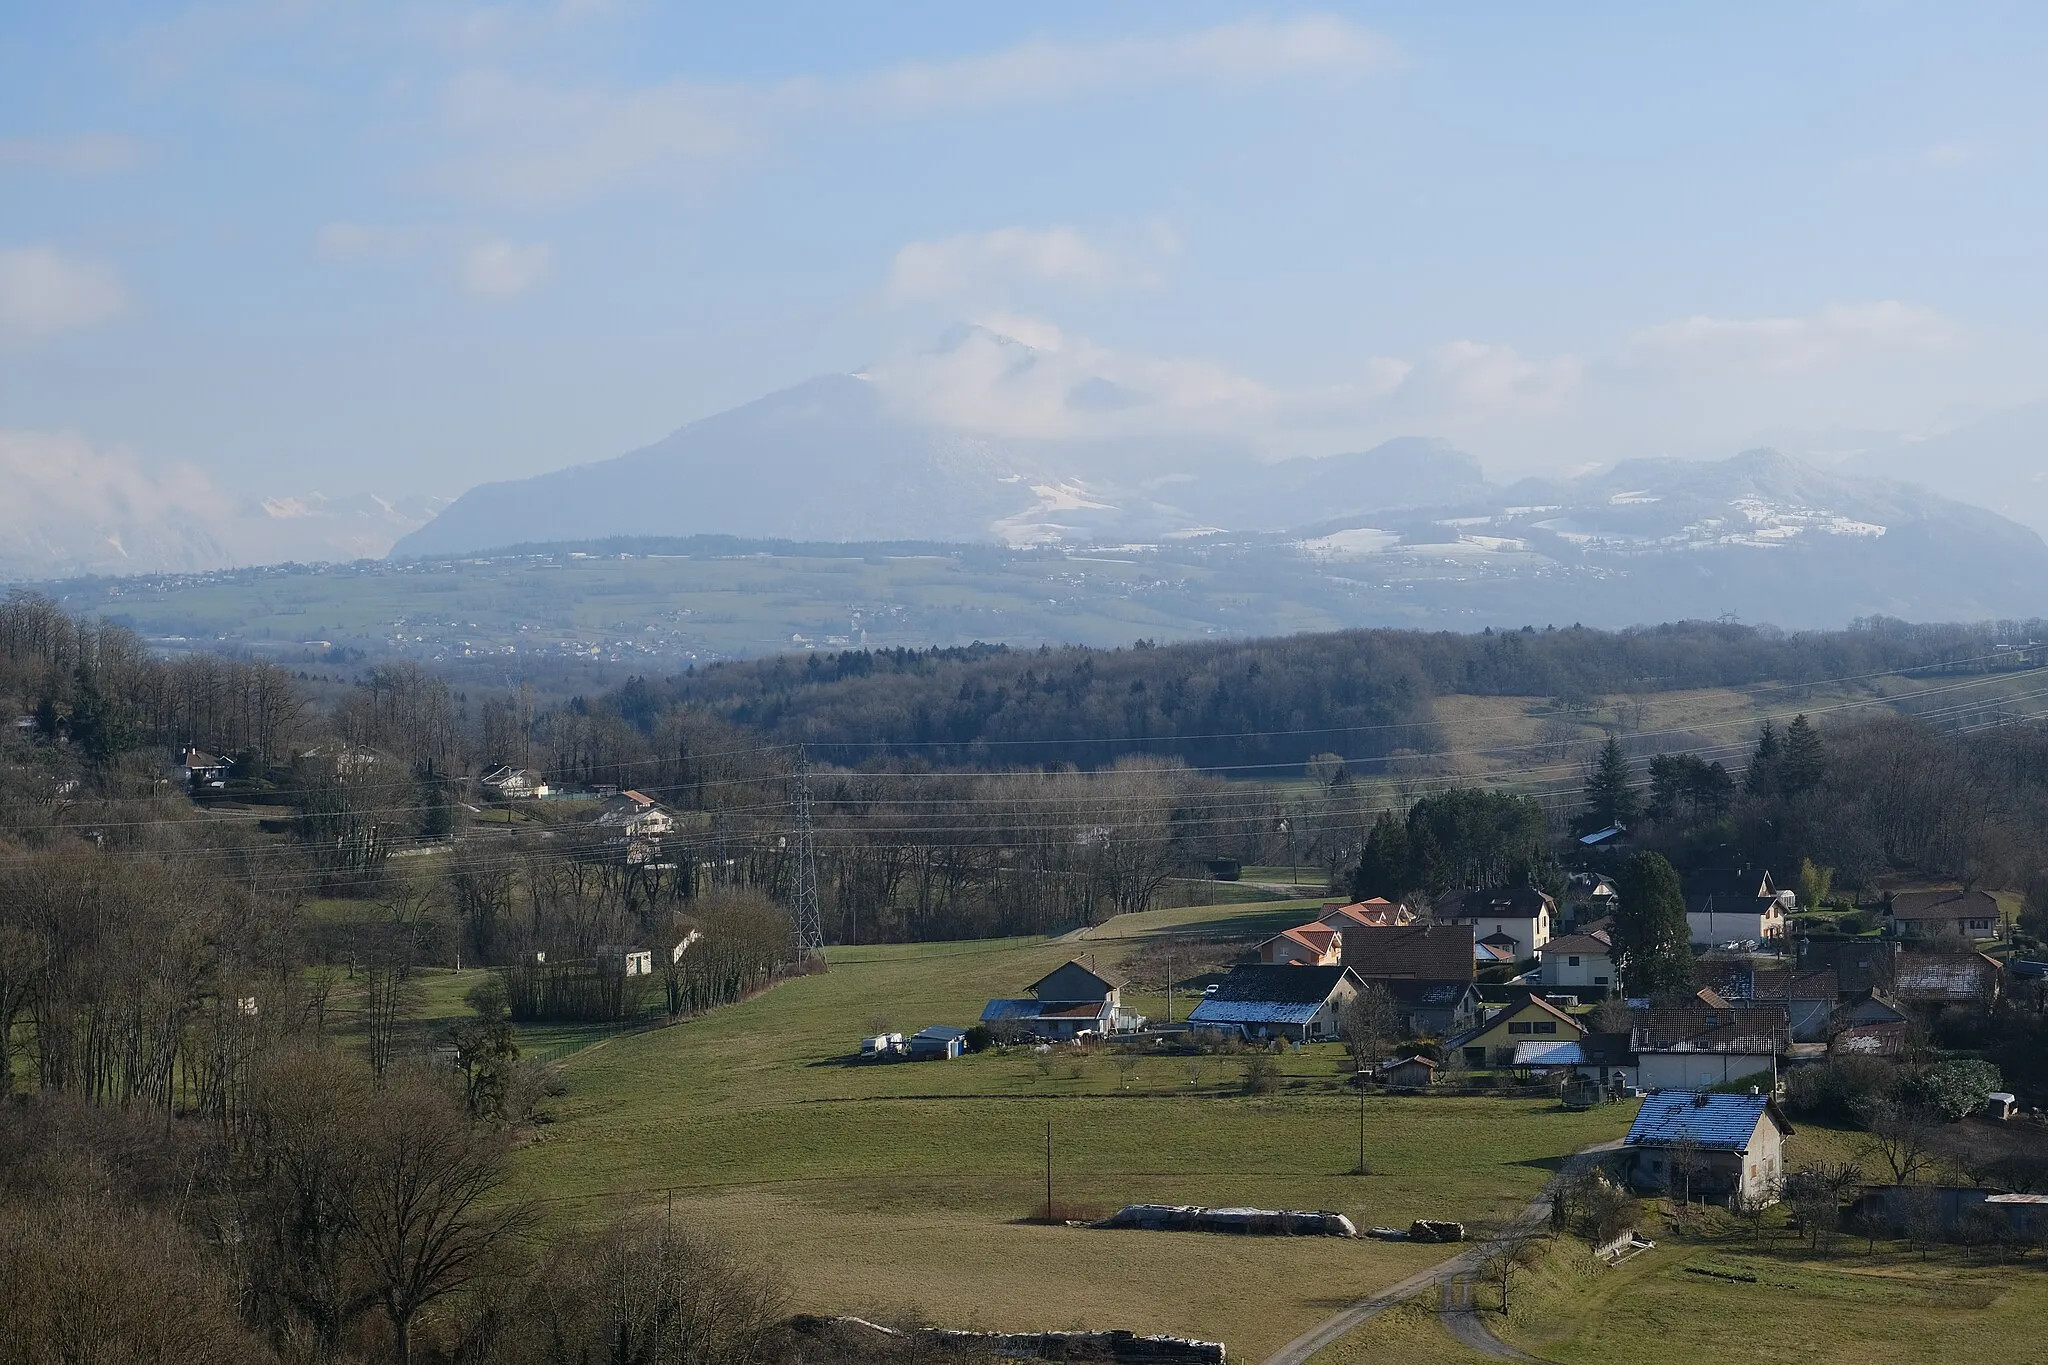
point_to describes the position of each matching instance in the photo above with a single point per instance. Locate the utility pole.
(1361, 1123)
(1169, 985)
(1048, 1171)
(810, 922)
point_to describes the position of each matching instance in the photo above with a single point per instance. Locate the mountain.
(1999, 462)
(1761, 535)
(852, 458)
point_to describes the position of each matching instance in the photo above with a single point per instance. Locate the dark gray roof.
(1278, 984)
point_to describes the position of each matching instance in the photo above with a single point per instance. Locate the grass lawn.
(901, 1187)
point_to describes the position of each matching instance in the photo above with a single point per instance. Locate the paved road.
(1467, 1262)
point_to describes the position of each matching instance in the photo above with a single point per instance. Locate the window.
(1546, 1026)
(1571, 962)
(1599, 980)
(1521, 1028)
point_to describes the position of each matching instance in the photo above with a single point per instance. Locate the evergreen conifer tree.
(1611, 796)
(1652, 945)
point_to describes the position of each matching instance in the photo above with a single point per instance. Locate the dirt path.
(1463, 1321)
(1465, 1263)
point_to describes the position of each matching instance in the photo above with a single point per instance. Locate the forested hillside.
(1364, 694)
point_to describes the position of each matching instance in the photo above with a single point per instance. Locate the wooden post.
(1361, 1123)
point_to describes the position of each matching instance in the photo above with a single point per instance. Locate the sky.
(274, 248)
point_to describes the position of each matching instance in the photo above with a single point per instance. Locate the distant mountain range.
(834, 459)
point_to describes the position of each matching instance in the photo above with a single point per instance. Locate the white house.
(1969, 914)
(1579, 962)
(631, 815)
(1299, 1003)
(513, 783)
(1726, 1148)
(1703, 1044)
(1735, 907)
(1521, 913)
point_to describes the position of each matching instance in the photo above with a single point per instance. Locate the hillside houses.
(1308, 945)
(1582, 963)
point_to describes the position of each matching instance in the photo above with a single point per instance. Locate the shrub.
(1953, 1090)
(979, 1038)
(1261, 1075)
(1839, 1087)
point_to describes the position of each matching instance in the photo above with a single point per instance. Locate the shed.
(1417, 1072)
(939, 1043)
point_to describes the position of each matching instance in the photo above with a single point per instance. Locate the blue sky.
(284, 247)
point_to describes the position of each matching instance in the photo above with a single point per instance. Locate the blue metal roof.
(939, 1033)
(1214, 1011)
(1719, 1123)
(1002, 1011)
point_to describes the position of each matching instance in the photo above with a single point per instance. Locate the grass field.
(904, 1187)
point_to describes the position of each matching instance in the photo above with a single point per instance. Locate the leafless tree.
(1510, 1255)
(420, 1201)
(1369, 1023)
(1901, 1136)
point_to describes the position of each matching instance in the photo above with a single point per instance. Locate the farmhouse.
(1528, 1017)
(1734, 907)
(1972, 915)
(1727, 1148)
(1708, 1042)
(1297, 1003)
(1305, 945)
(1579, 962)
(1072, 999)
(1521, 913)
(1931, 980)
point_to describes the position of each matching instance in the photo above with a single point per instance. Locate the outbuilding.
(939, 1043)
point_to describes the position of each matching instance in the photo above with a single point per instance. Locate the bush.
(979, 1038)
(1953, 1090)
(1837, 1088)
(1261, 1075)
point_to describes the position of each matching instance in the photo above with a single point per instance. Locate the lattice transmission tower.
(803, 908)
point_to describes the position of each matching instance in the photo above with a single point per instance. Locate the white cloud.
(498, 269)
(974, 261)
(539, 144)
(1793, 345)
(44, 291)
(79, 154)
(1253, 50)
(72, 507)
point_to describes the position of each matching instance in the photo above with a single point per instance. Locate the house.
(1433, 1009)
(513, 783)
(1417, 1073)
(1376, 913)
(1297, 1003)
(1071, 999)
(1420, 952)
(1591, 897)
(939, 1043)
(1527, 1018)
(197, 768)
(1973, 915)
(1579, 962)
(1707, 1042)
(1859, 964)
(1932, 980)
(1725, 1148)
(1739, 906)
(1523, 913)
(1305, 945)
(1606, 1059)
(1809, 999)
(630, 815)
(1496, 950)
